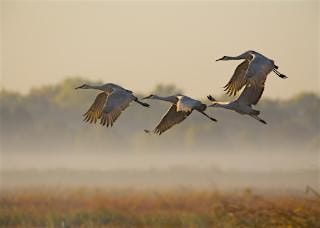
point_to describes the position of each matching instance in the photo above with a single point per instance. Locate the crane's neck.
(171, 99)
(226, 105)
(242, 56)
(98, 87)
(86, 86)
(233, 57)
(247, 55)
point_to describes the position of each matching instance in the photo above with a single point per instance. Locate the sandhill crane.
(109, 104)
(243, 105)
(181, 108)
(253, 70)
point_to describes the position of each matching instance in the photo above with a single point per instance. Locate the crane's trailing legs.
(258, 118)
(205, 114)
(141, 103)
(278, 73)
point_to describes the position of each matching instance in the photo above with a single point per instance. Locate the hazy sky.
(141, 44)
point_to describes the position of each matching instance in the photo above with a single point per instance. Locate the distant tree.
(166, 90)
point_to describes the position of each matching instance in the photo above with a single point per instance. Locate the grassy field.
(84, 207)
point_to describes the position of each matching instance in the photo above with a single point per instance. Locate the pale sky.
(141, 44)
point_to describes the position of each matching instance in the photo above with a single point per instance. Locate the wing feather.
(95, 110)
(117, 101)
(171, 118)
(238, 79)
(251, 94)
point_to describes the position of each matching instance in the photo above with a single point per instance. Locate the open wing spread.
(238, 79)
(108, 108)
(117, 101)
(94, 112)
(171, 118)
(251, 94)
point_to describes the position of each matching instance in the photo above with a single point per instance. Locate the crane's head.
(211, 98)
(223, 58)
(151, 96)
(84, 86)
(214, 101)
(246, 55)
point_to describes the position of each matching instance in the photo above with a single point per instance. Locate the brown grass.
(175, 208)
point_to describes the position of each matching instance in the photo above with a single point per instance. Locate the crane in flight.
(243, 104)
(109, 104)
(252, 71)
(181, 107)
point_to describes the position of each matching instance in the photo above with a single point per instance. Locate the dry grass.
(176, 208)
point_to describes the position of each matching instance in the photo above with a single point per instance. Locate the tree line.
(49, 118)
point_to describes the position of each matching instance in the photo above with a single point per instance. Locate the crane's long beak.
(147, 97)
(220, 59)
(79, 87)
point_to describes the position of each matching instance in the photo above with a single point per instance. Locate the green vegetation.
(129, 208)
(52, 115)
(49, 120)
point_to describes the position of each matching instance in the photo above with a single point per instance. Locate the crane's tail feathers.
(211, 98)
(276, 67)
(142, 103)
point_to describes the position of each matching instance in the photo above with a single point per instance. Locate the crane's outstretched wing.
(238, 79)
(117, 101)
(94, 112)
(251, 94)
(171, 118)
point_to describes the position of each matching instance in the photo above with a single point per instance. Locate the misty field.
(83, 207)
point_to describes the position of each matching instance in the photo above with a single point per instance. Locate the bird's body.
(182, 106)
(243, 104)
(109, 104)
(252, 71)
(251, 74)
(188, 104)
